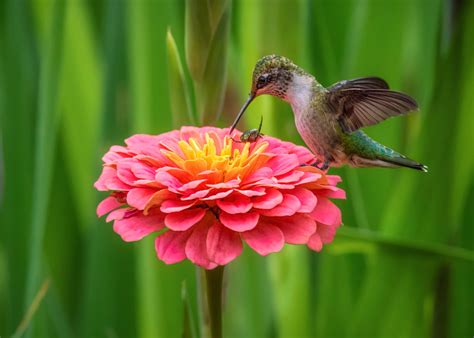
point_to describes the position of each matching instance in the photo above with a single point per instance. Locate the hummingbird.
(329, 119)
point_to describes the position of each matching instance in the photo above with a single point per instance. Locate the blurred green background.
(78, 76)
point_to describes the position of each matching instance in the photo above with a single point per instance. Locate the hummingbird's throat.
(300, 92)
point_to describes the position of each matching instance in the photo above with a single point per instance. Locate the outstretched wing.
(366, 101)
(371, 82)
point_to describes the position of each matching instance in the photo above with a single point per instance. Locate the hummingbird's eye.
(263, 80)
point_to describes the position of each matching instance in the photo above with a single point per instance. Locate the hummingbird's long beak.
(241, 112)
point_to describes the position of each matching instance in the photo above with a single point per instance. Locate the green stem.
(214, 300)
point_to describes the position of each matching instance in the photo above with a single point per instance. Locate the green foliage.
(179, 93)
(77, 76)
(207, 30)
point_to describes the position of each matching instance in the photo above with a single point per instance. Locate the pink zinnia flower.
(206, 194)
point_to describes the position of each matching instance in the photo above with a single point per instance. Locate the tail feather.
(372, 153)
(403, 161)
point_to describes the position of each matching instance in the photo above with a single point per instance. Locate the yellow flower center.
(231, 162)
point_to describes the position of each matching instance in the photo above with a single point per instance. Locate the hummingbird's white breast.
(299, 93)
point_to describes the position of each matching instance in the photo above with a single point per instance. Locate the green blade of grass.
(179, 93)
(108, 264)
(210, 86)
(18, 94)
(461, 213)
(48, 118)
(197, 38)
(415, 247)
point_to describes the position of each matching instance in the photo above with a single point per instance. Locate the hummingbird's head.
(272, 75)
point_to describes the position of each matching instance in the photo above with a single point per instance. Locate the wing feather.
(366, 101)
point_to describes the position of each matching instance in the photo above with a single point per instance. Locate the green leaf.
(48, 120)
(198, 35)
(81, 104)
(423, 248)
(180, 100)
(216, 10)
(210, 91)
(18, 105)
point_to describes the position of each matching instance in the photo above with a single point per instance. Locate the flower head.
(205, 194)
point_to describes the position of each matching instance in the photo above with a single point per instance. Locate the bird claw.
(321, 165)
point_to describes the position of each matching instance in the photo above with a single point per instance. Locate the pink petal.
(304, 155)
(139, 197)
(223, 245)
(235, 204)
(226, 185)
(326, 232)
(139, 139)
(327, 212)
(272, 183)
(196, 247)
(170, 206)
(334, 193)
(255, 191)
(170, 246)
(187, 132)
(168, 180)
(115, 154)
(107, 205)
(309, 177)
(283, 163)
(239, 222)
(124, 171)
(143, 171)
(218, 195)
(291, 177)
(272, 198)
(117, 214)
(307, 199)
(265, 238)
(159, 197)
(183, 220)
(297, 229)
(107, 172)
(315, 242)
(258, 175)
(191, 185)
(333, 179)
(197, 195)
(136, 227)
(288, 207)
(108, 180)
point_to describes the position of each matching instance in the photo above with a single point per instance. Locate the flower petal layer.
(223, 245)
(239, 222)
(170, 246)
(138, 226)
(265, 239)
(327, 212)
(183, 220)
(211, 193)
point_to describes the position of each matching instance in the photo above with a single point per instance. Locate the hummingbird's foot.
(321, 165)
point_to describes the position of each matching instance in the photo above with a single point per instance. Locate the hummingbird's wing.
(372, 82)
(366, 101)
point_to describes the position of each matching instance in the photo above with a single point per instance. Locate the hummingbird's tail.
(371, 153)
(402, 161)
